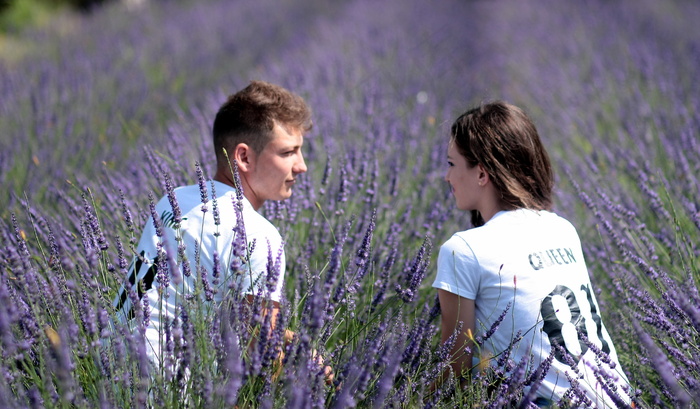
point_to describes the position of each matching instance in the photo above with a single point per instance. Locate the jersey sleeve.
(141, 273)
(457, 269)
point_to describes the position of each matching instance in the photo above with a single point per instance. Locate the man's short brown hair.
(250, 115)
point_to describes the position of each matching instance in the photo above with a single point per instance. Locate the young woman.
(520, 263)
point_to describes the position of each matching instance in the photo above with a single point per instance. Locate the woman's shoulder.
(512, 218)
(462, 242)
(513, 225)
(558, 221)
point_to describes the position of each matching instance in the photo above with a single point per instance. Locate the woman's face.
(464, 180)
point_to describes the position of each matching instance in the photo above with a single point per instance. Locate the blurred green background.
(18, 14)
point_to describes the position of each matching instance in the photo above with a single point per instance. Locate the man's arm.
(272, 308)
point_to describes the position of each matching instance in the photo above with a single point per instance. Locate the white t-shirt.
(531, 262)
(199, 233)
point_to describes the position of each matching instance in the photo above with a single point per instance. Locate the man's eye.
(450, 163)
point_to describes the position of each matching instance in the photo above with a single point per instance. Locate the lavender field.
(102, 111)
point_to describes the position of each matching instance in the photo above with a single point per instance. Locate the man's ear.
(244, 156)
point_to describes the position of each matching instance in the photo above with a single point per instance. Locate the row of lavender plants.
(116, 106)
(629, 160)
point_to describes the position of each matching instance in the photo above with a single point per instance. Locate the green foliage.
(16, 15)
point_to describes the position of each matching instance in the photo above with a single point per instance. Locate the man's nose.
(300, 165)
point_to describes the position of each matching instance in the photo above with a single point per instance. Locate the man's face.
(275, 168)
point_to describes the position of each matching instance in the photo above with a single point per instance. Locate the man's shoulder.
(189, 199)
(181, 193)
(258, 225)
(186, 198)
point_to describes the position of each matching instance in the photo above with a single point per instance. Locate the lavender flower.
(204, 279)
(344, 186)
(94, 225)
(626, 138)
(415, 273)
(364, 251)
(215, 207)
(202, 187)
(494, 327)
(664, 367)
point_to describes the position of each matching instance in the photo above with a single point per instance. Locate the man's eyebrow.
(290, 146)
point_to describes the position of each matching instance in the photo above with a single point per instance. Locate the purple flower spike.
(415, 272)
(177, 213)
(215, 207)
(204, 197)
(127, 218)
(365, 248)
(664, 368)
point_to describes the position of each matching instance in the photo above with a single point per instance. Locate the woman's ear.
(243, 154)
(483, 175)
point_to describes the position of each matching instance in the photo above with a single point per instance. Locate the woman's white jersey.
(530, 263)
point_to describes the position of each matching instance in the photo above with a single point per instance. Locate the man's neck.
(225, 178)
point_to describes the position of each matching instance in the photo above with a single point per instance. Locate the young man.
(195, 242)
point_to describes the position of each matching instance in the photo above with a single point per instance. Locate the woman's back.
(529, 263)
